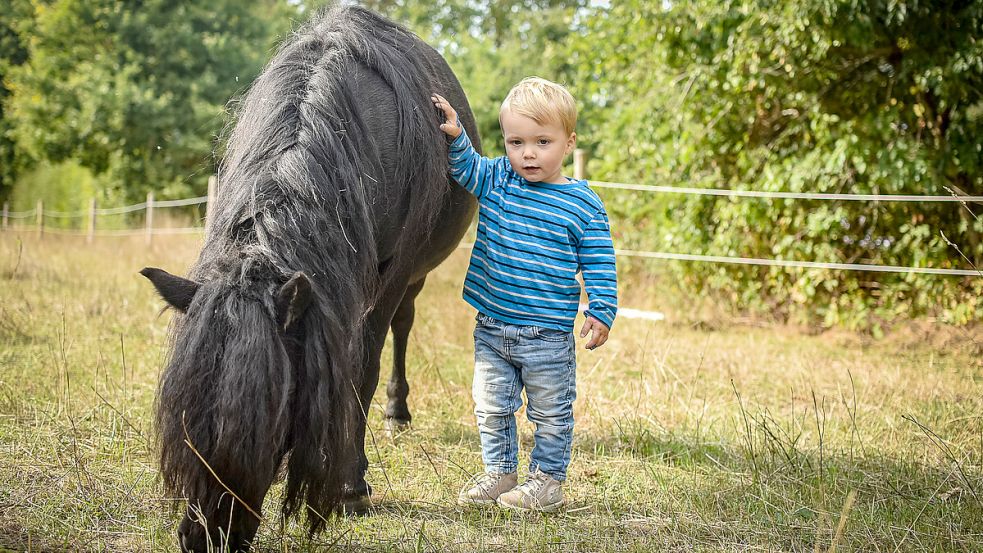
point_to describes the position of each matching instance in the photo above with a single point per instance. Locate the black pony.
(334, 203)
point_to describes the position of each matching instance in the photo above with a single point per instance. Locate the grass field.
(692, 434)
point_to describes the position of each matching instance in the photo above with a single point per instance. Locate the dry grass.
(706, 437)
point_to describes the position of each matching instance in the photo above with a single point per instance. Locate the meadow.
(702, 432)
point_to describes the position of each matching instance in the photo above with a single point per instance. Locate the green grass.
(695, 434)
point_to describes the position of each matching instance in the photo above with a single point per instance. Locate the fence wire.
(121, 210)
(180, 203)
(954, 198)
(963, 199)
(22, 214)
(111, 232)
(64, 214)
(799, 264)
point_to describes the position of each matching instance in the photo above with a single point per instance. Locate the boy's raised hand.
(450, 127)
(599, 333)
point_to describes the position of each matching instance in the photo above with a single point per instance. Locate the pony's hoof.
(355, 506)
(395, 427)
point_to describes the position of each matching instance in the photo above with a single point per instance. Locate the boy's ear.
(571, 142)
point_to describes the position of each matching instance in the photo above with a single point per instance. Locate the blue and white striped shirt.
(533, 238)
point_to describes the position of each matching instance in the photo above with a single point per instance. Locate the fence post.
(6, 215)
(210, 204)
(90, 236)
(579, 164)
(150, 217)
(39, 213)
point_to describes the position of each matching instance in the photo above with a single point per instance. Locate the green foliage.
(878, 97)
(67, 187)
(138, 91)
(15, 21)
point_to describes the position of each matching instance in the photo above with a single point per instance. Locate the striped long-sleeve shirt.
(533, 238)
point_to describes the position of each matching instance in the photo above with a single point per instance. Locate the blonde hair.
(542, 101)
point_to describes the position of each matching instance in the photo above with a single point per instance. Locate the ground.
(693, 433)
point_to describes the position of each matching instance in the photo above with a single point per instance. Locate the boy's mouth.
(531, 168)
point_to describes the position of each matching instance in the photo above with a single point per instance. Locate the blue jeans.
(507, 358)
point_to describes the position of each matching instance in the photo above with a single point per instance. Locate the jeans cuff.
(501, 469)
(554, 475)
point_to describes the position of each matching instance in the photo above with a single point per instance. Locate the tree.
(138, 90)
(14, 24)
(877, 97)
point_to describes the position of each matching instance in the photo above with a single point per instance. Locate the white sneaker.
(490, 485)
(540, 492)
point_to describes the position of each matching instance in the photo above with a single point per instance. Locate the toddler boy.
(536, 230)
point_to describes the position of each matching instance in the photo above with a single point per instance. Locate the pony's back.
(301, 137)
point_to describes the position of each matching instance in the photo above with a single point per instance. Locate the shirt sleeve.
(476, 173)
(595, 254)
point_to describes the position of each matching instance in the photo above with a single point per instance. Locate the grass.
(693, 434)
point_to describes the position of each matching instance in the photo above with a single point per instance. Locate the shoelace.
(488, 481)
(485, 481)
(535, 483)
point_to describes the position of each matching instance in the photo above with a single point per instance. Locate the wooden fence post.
(579, 164)
(150, 217)
(6, 215)
(39, 213)
(90, 236)
(210, 205)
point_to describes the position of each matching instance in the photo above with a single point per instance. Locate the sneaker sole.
(476, 502)
(545, 509)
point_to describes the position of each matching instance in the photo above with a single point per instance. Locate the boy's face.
(536, 151)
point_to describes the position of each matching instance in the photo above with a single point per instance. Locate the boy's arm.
(470, 169)
(596, 256)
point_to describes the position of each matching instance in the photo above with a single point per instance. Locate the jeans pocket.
(485, 328)
(551, 334)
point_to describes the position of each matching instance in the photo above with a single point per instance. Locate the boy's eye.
(543, 141)
(515, 142)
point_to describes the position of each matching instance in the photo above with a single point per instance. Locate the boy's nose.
(528, 154)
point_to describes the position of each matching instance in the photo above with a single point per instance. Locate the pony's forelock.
(225, 392)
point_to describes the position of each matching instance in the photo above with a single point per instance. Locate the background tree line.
(113, 99)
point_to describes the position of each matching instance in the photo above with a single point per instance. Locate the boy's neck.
(565, 180)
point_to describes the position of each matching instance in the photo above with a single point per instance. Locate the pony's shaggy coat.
(336, 167)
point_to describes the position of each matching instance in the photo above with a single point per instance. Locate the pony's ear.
(176, 291)
(293, 299)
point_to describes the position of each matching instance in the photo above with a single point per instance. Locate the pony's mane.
(294, 195)
(300, 149)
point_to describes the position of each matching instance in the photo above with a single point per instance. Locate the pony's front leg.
(357, 498)
(397, 411)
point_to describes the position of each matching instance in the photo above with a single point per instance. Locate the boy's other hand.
(450, 126)
(599, 333)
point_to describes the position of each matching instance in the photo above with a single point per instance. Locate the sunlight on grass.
(707, 437)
